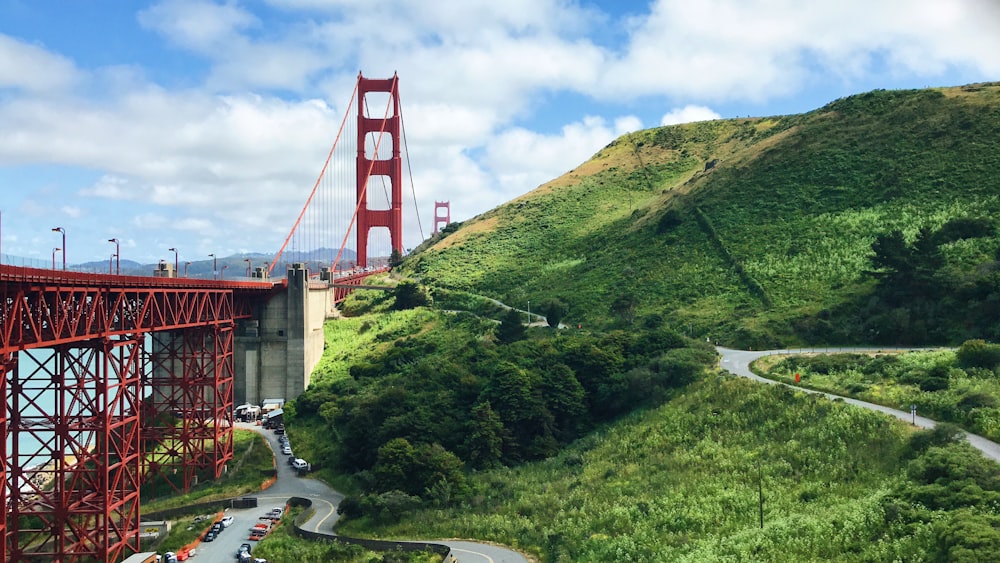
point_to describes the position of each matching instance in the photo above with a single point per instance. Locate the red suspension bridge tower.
(385, 130)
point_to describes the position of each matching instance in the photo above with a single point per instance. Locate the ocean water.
(38, 442)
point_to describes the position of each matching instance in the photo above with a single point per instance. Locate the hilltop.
(760, 231)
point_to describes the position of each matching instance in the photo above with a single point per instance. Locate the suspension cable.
(409, 168)
(336, 140)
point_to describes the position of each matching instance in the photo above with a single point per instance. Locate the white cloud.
(199, 25)
(523, 159)
(33, 68)
(762, 49)
(238, 152)
(689, 114)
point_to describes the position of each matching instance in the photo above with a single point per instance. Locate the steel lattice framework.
(78, 352)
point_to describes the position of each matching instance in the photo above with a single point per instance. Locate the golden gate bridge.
(117, 384)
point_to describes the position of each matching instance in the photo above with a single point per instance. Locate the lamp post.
(215, 266)
(249, 265)
(111, 264)
(174, 250)
(223, 272)
(63, 231)
(117, 256)
(186, 264)
(54, 250)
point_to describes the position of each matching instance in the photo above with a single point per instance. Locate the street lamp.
(174, 250)
(186, 264)
(117, 256)
(54, 250)
(249, 266)
(63, 231)
(223, 272)
(215, 266)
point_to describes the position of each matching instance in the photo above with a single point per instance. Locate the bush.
(978, 354)
(942, 434)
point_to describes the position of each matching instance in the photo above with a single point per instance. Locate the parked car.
(300, 464)
(286, 449)
(226, 522)
(209, 536)
(291, 459)
(245, 548)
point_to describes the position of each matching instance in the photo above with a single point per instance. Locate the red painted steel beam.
(189, 427)
(41, 316)
(7, 364)
(81, 336)
(77, 496)
(387, 129)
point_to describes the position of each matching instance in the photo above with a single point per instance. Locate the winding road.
(325, 501)
(738, 363)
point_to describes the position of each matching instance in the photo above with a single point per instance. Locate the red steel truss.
(386, 130)
(77, 495)
(192, 406)
(76, 364)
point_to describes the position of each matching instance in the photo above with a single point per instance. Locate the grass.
(969, 398)
(256, 464)
(284, 545)
(679, 483)
(797, 201)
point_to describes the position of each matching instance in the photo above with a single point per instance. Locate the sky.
(201, 125)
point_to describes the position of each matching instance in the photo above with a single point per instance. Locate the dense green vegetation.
(960, 386)
(680, 483)
(284, 545)
(865, 221)
(758, 232)
(436, 392)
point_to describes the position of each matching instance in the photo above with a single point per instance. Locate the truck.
(247, 413)
(273, 419)
(145, 557)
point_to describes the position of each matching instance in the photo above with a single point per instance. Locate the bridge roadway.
(325, 501)
(92, 330)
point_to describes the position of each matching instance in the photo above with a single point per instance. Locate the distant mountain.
(760, 231)
(229, 266)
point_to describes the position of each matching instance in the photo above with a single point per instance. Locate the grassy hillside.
(752, 231)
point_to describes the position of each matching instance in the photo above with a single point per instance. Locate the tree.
(484, 437)
(395, 258)
(565, 398)
(409, 295)
(554, 311)
(624, 307)
(511, 329)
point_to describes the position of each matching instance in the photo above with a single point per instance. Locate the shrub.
(978, 354)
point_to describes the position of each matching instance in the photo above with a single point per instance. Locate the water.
(38, 442)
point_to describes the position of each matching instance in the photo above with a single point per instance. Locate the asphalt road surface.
(325, 501)
(738, 362)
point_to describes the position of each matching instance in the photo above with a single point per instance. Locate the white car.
(286, 449)
(227, 521)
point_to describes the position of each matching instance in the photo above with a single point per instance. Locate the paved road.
(738, 362)
(325, 501)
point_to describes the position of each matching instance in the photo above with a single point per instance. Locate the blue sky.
(201, 124)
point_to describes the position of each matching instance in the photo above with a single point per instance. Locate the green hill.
(759, 232)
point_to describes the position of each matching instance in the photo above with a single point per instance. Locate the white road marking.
(483, 555)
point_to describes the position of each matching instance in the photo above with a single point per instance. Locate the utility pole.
(760, 493)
